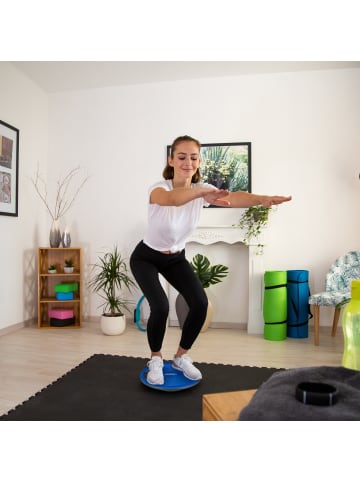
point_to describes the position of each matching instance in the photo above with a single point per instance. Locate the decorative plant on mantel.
(253, 220)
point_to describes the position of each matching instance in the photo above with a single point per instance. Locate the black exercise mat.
(108, 387)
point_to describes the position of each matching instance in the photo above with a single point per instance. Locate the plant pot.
(52, 271)
(113, 324)
(68, 270)
(182, 311)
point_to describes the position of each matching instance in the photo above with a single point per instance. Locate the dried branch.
(63, 191)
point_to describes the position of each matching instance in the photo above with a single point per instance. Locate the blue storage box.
(64, 296)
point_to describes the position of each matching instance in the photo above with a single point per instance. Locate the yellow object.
(351, 329)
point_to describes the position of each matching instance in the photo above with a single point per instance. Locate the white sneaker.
(155, 374)
(185, 365)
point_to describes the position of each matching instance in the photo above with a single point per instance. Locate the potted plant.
(109, 279)
(69, 266)
(253, 220)
(208, 275)
(52, 269)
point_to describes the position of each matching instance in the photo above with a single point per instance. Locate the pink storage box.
(61, 314)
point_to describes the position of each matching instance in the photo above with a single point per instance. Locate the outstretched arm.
(180, 196)
(242, 199)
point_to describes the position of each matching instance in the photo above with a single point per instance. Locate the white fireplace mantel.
(207, 235)
(217, 234)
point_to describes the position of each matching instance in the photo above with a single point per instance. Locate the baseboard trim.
(217, 324)
(228, 325)
(17, 326)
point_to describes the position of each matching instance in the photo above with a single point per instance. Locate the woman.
(173, 213)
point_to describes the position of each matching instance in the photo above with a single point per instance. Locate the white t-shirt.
(170, 226)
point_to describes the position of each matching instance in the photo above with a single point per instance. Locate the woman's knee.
(204, 303)
(199, 305)
(159, 308)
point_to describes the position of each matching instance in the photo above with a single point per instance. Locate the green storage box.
(66, 287)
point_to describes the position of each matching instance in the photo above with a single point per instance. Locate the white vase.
(55, 235)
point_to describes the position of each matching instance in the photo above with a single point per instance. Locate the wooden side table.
(225, 406)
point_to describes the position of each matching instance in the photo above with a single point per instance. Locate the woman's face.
(186, 160)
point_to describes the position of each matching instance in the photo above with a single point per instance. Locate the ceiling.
(58, 76)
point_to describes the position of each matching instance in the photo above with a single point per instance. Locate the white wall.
(24, 106)
(304, 128)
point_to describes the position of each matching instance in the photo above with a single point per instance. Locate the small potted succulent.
(52, 269)
(69, 266)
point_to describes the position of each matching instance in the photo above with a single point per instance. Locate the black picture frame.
(9, 169)
(226, 165)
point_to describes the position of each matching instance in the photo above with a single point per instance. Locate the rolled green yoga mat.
(275, 305)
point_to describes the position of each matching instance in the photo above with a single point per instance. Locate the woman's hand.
(269, 201)
(215, 197)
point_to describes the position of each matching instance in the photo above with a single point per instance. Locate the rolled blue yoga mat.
(298, 303)
(275, 305)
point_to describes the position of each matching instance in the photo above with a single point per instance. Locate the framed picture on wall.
(9, 169)
(226, 165)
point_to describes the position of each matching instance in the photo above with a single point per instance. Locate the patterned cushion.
(329, 298)
(338, 280)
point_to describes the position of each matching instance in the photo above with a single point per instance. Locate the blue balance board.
(174, 380)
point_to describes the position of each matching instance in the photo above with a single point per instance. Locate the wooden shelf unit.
(46, 283)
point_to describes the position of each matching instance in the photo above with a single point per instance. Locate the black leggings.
(146, 265)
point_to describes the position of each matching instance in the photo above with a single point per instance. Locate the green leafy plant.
(52, 267)
(207, 274)
(69, 263)
(253, 220)
(109, 279)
